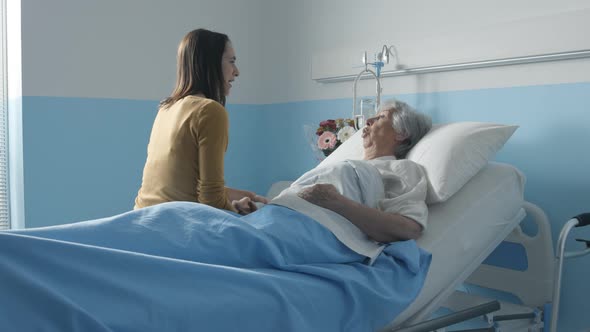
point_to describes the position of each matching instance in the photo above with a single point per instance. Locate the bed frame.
(531, 286)
(502, 298)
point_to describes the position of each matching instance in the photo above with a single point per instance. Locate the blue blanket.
(189, 267)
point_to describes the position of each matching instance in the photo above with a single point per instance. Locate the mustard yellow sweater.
(185, 155)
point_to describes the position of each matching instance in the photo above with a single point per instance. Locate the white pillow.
(453, 153)
(450, 153)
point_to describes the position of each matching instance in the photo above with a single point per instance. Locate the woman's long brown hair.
(198, 67)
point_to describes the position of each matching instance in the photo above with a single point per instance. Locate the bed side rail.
(534, 285)
(448, 320)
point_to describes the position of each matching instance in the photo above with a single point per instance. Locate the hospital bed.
(463, 231)
(478, 209)
(473, 212)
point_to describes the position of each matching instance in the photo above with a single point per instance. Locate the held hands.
(237, 194)
(244, 205)
(321, 194)
(244, 201)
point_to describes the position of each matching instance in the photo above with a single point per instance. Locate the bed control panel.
(585, 241)
(583, 219)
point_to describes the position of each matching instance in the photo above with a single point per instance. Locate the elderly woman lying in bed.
(377, 200)
(318, 258)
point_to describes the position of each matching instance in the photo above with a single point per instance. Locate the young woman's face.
(229, 68)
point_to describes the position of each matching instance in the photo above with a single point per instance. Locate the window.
(11, 141)
(4, 197)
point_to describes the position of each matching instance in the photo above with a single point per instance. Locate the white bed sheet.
(463, 231)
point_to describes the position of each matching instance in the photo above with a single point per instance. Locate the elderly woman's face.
(379, 131)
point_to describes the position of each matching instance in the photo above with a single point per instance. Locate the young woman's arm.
(211, 127)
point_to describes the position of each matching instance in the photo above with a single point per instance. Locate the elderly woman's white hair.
(408, 122)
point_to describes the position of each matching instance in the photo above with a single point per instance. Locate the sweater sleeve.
(211, 126)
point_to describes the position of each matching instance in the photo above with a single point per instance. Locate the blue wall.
(83, 157)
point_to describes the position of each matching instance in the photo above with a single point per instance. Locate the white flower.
(345, 133)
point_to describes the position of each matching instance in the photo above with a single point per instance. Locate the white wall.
(127, 49)
(425, 33)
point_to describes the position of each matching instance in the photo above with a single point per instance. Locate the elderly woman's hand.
(321, 194)
(260, 199)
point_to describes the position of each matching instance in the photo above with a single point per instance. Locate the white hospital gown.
(387, 184)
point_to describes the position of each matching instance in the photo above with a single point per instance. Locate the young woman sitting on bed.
(327, 254)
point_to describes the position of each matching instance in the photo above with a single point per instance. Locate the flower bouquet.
(332, 133)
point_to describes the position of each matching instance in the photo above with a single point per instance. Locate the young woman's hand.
(244, 205)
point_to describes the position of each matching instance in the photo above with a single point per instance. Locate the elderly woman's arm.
(380, 226)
